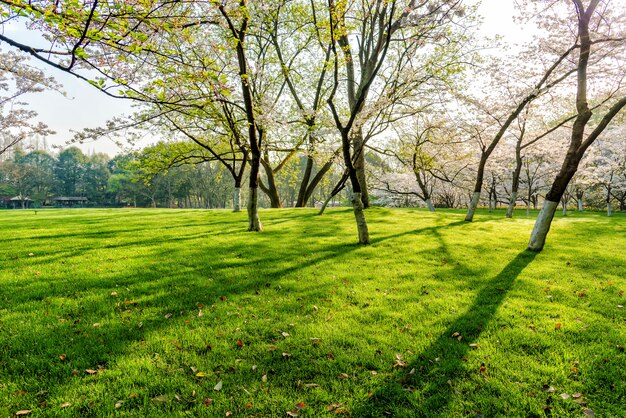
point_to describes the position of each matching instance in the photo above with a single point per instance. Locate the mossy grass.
(143, 312)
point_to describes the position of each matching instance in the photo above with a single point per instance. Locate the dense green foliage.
(162, 305)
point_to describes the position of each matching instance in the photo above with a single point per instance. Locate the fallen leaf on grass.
(620, 306)
(248, 406)
(548, 388)
(557, 325)
(311, 385)
(66, 405)
(218, 386)
(23, 412)
(208, 402)
(63, 357)
(292, 413)
(159, 399)
(337, 408)
(240, 343)
(284, 334)
(201, 374)
(577, 395)
(482, 368)
(168, 316)
(474, 345)
(91, 371)
(119, 404)
(286, 355)
(264, 378)
(114, 294)
(399, 364)
(589, 413)
(343, 376)
(565, 396)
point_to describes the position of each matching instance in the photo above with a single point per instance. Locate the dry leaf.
(208, 401)
(66, 405)
(589, 413)
(264, 378)
(557, 325)
(482, 368)
(91, 371)
(96, 325)
(23, 411)
(240, 343)
(474, 345)
(565, 396)
(248, 406)
(300, 405)
(228, 413)
(63, 357)
(201, 374)
(114, 294)
(292, 413)
(168, 316)
(549, 389)
(343, 376)
(284, 334)
(119, 404)
(159, 399)
(577, 395)
(286, 355)
(218, 386)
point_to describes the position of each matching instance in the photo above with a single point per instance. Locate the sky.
(83, 106)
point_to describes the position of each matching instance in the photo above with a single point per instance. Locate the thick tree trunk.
(473, 204)
(361, 224)
(513, 199)
(237, 199)
(609, 209)
(542, 226)
(254, 223)
(429, 204)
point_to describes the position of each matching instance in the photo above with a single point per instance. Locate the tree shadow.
(426, 385)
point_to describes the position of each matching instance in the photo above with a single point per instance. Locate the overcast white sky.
(86, 107)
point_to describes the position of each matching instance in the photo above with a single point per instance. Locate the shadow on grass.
(430, 388)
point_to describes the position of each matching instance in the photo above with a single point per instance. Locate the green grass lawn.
(184, 313)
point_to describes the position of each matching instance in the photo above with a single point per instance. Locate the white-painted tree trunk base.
(361, 223)
(580, 205)
(254, 223)
(472, 207)
(542, 226)
(609, 209)
(429, 205)
(237, 199)
(509, 210)
(326, 202)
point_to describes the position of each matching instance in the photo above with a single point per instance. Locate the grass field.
(184, 313)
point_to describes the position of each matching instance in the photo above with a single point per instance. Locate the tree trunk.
(304, 184)
(237, 199)
(359, 165)
(429, 204)
(564, 203)
(473, 204)
(254, 223)
(609, 209)
(271, 190)
(310, 188)
(542, 226)
(361, 224)
(513, 199)
(579, 203)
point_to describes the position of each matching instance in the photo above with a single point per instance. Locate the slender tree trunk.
(515, 181)
(254, 223)
(304, 184)
(477, 188)
(271, 190)
(237, 199)
(359, 215)
(609, 209)
(564, 203)
(359, 165)
(579, 204)
(310, 188)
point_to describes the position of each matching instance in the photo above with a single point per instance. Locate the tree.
(17, 79)
(596, 33)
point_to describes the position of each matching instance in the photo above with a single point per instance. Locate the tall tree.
(600, 32)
